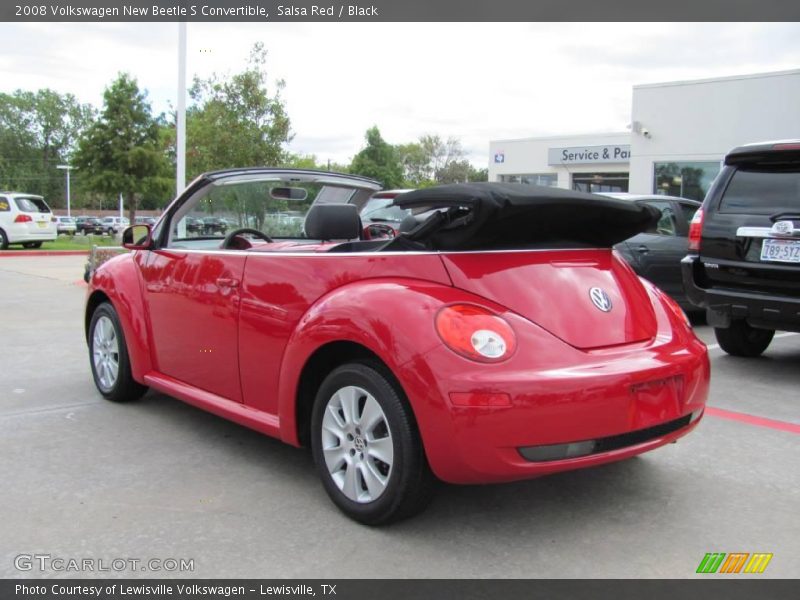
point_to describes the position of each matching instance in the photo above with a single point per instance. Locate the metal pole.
(180, 181)
(68, 207)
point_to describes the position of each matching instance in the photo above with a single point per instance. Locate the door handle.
(643, 249)
(227, 282)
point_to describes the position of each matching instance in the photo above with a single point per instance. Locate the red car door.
(193, 303)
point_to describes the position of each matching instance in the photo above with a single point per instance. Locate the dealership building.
(678, 135)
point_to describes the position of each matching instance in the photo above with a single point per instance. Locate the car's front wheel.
(108, 354)
(367, 447)
(740, 339)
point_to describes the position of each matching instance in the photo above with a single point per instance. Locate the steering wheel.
(226, 243)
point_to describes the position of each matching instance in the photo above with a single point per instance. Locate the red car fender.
(119, 280)
(393, 318)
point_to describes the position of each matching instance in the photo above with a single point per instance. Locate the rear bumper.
(582, 409)
(767, 311)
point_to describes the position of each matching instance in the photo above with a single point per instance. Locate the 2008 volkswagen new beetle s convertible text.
(496, 337)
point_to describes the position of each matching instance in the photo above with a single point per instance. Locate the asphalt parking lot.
(85, 478)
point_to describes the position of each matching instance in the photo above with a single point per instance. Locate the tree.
(235, 122)
(460, 171)
(120, 152)
(38, 131)
(378, 160)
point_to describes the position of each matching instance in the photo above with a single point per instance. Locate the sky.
(474, 81)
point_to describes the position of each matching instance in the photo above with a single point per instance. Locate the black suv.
(744, 244)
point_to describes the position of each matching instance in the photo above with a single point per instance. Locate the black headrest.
(333, 222)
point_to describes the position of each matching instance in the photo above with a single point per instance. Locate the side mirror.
(378, 231)
(137, 237)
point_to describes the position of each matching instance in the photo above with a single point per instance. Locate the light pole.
(67, 168)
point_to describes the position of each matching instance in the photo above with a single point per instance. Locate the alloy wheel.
(357, 444)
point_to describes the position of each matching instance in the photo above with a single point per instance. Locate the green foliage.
(39, 131)
(121, 151)
(461, 171)
(378, 160)
(432, 160)
(235, 122)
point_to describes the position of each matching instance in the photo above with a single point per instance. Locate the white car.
(25, 219)
(65, 225)
(113, 225)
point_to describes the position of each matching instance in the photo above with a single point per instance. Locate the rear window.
(32, 205)
(763, 190)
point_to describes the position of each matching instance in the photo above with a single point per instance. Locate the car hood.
(507, 215)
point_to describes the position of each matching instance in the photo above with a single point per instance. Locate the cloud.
(475, 81)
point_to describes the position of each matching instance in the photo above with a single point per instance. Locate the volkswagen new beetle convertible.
(495, 337)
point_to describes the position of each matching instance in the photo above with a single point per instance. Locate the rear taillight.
(696, 230)
(791, 146)
(23, 219)
(476, 333)
(53, 219)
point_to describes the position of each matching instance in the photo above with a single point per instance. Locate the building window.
(685, 179)
(600, 182)
(544, 179)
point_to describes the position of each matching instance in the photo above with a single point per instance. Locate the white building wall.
(529, 156)
(701, 120)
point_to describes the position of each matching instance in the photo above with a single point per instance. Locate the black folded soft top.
(485, 216)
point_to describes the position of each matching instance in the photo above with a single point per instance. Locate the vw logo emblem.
(600, 299)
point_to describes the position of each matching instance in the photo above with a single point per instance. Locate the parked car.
(743, 265)
(214, 226)
(145, 220)
(496, 341)
(656, 254)
(25, 219)
(65, 225)
(113, 225)
(86, 225)
(194, 226)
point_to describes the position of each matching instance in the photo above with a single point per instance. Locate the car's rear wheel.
(367, 447)
(108, 354)
(3, 240)
(740, 339)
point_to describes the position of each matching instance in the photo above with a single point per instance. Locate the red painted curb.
(11, 253)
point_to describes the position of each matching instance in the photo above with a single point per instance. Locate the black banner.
(436, 589)
(398, 10)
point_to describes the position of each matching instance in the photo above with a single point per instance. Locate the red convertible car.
(497, 338)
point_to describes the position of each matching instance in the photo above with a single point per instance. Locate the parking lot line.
(731, 415)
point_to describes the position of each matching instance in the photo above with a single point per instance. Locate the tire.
(106, 336)
(400, 480)
(32, 245)
(740, 339)
(3, 240)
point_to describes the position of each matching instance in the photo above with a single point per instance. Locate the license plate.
(781, 251)
(42, 224)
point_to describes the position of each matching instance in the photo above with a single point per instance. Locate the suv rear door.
(752, 196)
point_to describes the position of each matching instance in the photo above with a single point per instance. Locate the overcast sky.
(475, 81)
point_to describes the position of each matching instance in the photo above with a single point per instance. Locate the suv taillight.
(23, 219)
(696, 230)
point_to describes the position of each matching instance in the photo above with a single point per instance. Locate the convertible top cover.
(512, 215)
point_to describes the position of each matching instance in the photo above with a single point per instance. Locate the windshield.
(274, 204)
(380, 209)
